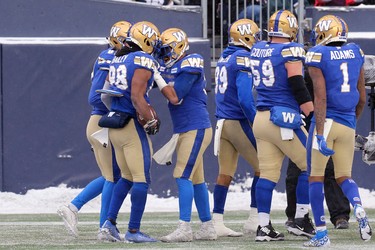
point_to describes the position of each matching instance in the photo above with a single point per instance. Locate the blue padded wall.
(89, 18)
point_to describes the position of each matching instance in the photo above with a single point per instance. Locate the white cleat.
(365, 230)
(206, 231)
(251, 224)
(70, 219)
(183, 233)
(101, 236)
(221, 229)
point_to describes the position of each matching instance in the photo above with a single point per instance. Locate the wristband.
(160, 81)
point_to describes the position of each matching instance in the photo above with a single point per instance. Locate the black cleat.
(302, 227)
(268, 233)
(289, 222)
(341, 223)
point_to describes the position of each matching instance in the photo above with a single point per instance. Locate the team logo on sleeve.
(313, 57)
(194, 62)
(144, 61)
(243, 61)
(293, 52)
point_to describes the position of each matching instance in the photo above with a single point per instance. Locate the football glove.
(360, 142)
(322, 144)
(152, 126)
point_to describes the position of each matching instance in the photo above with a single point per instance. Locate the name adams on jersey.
(335, 55)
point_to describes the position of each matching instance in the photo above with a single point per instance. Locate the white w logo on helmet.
(180, 36)
(324, 25)
(244, 29)
(148, 31)
(114, 31)
(292, 22)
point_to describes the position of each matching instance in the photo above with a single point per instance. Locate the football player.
(336, 69)
(103, 154)
(185, 90)
(235, 111)
(131, 75)
(277, 67)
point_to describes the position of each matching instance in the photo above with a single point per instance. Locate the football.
(143, 121)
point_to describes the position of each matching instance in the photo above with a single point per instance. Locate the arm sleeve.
(299, 89)
(183, 84)
(244, 84)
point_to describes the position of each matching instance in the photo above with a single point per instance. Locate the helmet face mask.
(330, 29)
(283, 24)
(145, 35)
(174, 44)
(244, 32)
(118, 34)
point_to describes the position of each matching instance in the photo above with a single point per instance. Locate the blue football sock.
(253, 192)
(220, 196)
(317, 200)
(185, 198)
(106, 200)
(350, 189)
(201, 201)
(264, 189)
(138, 199)
(93, 189)
(302, 189)
(120, 191)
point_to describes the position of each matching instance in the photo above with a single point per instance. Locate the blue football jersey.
(228, 106)
(98, 76)
(121, 73)
(341, 68)
(270, 75)
(192, 113)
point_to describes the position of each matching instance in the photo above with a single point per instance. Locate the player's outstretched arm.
(362, 94)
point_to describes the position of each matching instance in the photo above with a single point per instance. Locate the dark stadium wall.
(89, 18)
(45, 111)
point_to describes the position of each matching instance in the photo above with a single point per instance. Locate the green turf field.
(46, 231)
